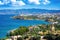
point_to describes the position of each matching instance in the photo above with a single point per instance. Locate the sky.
(29, 4)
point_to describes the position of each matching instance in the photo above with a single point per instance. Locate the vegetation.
(20, 31)
(19, 38)
(57, 26)
(52, 37)
(25, 32)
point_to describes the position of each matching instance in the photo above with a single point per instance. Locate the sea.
(7, 23)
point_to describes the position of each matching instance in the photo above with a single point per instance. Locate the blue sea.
(7, 24)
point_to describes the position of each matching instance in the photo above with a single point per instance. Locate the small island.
(47, 17)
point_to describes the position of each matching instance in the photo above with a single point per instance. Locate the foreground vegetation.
(35, 32)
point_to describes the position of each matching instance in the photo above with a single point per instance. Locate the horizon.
(26, 9)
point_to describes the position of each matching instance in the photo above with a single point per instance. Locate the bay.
(7, 24)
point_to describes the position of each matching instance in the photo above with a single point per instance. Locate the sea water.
(7, 24)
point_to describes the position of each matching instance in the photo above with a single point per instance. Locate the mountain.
(25, 11)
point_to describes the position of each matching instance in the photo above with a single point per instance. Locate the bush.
(49, 37)
(20, 31)
(26, 37)
(19, 38)
(57, 38)
(32, 38)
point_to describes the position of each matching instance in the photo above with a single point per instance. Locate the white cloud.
(34, 1)
(46, 2)
(6, 1)
(18, 3)
(21, 3)
(13, 1)
(39, 1)
(1, 3)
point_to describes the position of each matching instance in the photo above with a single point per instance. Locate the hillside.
(25, 11)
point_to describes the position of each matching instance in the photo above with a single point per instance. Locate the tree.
(49, 37)
(22, 30)
(57, 38)
(19, 38)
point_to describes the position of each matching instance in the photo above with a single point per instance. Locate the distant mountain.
(25, 11)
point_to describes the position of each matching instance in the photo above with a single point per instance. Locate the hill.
(25, 11)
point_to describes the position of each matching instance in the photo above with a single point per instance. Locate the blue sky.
(28, 4)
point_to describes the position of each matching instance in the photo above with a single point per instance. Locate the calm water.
(7, 24)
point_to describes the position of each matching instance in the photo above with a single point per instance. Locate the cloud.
(46, 2)
(6, 1)
(13, 1)
(34, 1)
(17, 3)
(1, 3)
(22, 3)
(38, 2)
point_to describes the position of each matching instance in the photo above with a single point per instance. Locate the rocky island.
(26, 17)
(33, 17)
